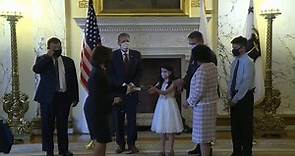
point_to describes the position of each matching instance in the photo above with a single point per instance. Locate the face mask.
(164, 75)
(125, 46)
(193, 45)
(236, 52)
(57, 53)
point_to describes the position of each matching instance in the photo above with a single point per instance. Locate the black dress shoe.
(196, 150)
(133, 149)
(49, 153)
(68, 153)
(236, 154)
(120, 149)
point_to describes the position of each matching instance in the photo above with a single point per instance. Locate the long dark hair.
(171, 76)
(101, 55)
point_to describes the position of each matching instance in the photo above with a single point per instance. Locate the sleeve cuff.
(190, 103)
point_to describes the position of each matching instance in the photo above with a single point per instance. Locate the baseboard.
(223, 120)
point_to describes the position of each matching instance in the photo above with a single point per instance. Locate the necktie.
(126, 62)
(234, 79)
(57, 74)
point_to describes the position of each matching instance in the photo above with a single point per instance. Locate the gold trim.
(182, 11)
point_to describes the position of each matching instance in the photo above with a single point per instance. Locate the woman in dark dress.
(98, 105)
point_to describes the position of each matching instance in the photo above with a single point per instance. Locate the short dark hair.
(240, 40)
(123, 35)
(195, 34)
(53, 40)
(101, 55)
(202, 53)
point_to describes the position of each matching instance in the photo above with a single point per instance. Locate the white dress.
(167, 118)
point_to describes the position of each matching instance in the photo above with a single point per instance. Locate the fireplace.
(151, 73)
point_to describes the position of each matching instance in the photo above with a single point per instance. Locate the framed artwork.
(141, 7)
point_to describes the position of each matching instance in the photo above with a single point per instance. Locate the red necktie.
(126, 61)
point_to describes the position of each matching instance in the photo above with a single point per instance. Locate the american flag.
(90, 41)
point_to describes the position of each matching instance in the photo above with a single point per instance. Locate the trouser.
(128, 108)
(55, 114)
(241, 116)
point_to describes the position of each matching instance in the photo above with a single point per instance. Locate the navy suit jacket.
(47, 86)
(134, 68)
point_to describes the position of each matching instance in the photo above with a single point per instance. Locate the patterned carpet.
(149, 146)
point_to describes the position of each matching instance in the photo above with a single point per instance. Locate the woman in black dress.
(98, 105)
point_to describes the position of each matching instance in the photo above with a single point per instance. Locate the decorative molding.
(164, 52)
(195, 3)
(144, 24)
(83, 4)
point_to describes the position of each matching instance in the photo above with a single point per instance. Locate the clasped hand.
(131, 88)
(117, 100)
(185, 105)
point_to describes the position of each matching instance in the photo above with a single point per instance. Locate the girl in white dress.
(166, 119)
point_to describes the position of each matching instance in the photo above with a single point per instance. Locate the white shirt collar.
(127, 52)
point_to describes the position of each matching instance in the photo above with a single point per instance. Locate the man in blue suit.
(56, 92)
(126, 70)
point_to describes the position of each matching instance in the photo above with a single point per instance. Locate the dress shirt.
(245, 77)
(61, 73)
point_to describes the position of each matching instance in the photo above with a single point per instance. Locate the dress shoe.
(68, 153)
(196, 150)
(49, 153)
(90, 145)
(133, 149)
(120, 149)
(236, 154)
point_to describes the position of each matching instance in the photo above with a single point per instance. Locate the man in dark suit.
(56, 92)
(126, 70)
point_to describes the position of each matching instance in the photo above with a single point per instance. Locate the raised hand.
(152, 90)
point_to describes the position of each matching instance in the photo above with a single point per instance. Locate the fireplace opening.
(150, 76)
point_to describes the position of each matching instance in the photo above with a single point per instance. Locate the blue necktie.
(234, 79)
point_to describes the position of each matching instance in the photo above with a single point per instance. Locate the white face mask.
(124, 46)
(192, 46)
(165, 73)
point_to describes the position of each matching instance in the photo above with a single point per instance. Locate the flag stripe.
(90, 41)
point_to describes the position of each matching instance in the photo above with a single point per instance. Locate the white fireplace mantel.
(152, 36)
(143, 24)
